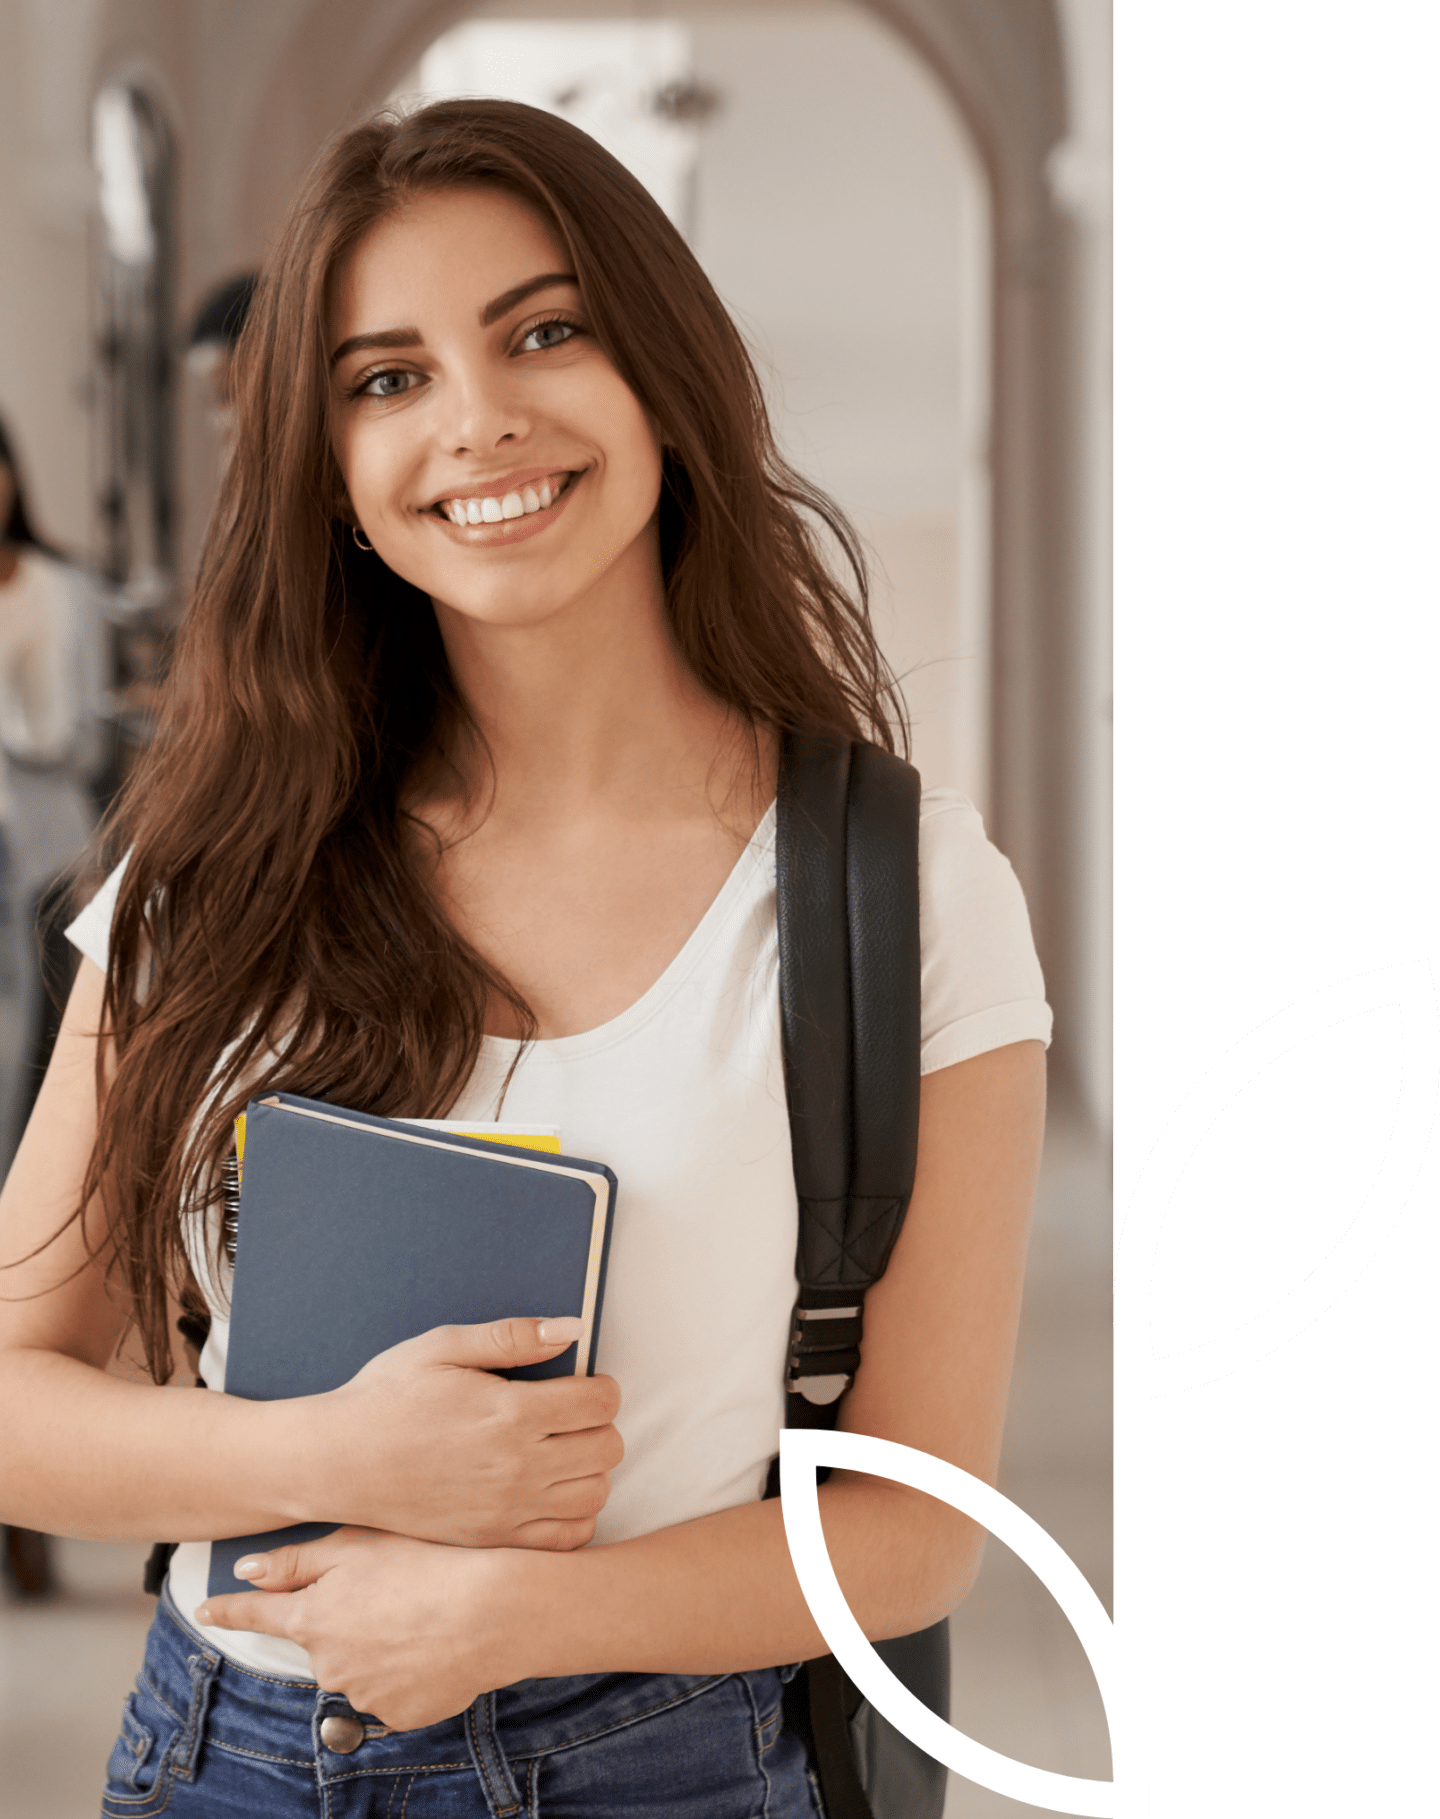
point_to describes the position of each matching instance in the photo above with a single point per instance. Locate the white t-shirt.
(683, 1097)
(38, 633)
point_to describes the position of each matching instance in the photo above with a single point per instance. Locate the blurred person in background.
(214, 333)
(52, 663)
(51, 654)
(144, 637)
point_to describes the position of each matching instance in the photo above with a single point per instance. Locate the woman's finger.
(499, 1344)
(291, 1568)
(577, 1498)
(552, 1536)
(284, 1569)
(568, 1405)
(248, 1611)
(596, 1449)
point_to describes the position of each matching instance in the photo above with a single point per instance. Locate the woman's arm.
(414, 1633)
(87, 1453)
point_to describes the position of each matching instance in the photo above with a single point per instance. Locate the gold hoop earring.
(369, 548)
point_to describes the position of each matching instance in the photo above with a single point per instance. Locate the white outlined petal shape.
(801, 1450)
(1406, 986)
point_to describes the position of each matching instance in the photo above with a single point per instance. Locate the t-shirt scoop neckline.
(90, 933)
(657, 995)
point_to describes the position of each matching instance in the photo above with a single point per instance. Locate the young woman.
(463, 792)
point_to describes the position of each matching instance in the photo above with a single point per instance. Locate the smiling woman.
(463, 794)
(428, 438)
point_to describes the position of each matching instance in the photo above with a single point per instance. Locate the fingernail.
(203, 1614)
(251, 1567)
(560, 1330)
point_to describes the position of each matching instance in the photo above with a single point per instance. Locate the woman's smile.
(506, 510)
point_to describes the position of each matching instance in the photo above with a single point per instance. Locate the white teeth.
(495, 511)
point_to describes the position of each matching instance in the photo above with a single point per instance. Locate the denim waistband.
(274, 1723)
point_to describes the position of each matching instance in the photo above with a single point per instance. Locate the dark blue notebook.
(356, 1232)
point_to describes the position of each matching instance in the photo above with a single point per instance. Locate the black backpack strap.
(848, 913)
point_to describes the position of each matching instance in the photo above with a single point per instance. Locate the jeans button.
(342, 1734)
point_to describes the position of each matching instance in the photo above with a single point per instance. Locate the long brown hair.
(273, 930)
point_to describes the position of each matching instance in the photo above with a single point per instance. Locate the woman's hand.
(408, 1631)
(426, 1441)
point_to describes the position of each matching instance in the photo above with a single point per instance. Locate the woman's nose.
(482, 410)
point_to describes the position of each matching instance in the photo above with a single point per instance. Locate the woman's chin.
(495, 608)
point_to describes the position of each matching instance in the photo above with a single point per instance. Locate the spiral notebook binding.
(230, 1202)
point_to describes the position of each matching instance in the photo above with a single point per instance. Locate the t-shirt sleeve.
(90, 931)
(980, 982)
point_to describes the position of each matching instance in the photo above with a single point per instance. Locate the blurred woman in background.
(51, 666)
(49, 646)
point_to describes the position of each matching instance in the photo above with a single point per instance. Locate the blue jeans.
(201, 1736)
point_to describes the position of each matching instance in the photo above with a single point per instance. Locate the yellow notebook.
(521, 1136)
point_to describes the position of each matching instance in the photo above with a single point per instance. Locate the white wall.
(841, 212)
(45, 202)
(1080, 178)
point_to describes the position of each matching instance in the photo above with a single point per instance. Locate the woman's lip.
(508, 530)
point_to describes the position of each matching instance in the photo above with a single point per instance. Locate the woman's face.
(492, 454)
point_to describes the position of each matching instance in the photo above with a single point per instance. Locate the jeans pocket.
(137, 1775)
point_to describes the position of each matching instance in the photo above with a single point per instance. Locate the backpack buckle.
(824, 1353)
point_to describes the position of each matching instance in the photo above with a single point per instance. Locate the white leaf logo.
(801, 1450)
(1120, 1654)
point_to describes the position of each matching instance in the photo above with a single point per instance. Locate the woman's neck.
(9, 562)
(595, 709)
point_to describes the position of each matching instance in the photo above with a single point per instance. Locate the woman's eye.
(389, 385)
(547, 334)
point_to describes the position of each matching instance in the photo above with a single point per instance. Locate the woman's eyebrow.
(507, 300)
(489, 316)
(383, 337)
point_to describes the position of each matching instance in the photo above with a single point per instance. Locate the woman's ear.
(336, 499)
(658, 431)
